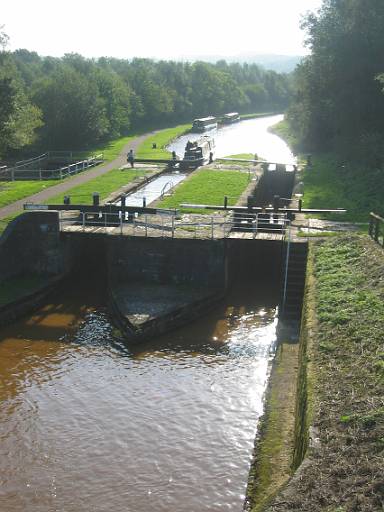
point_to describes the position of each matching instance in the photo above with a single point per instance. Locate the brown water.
(87, 424)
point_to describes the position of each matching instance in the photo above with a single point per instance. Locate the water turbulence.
(87, 423)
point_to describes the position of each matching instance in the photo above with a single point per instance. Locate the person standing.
(131, 158)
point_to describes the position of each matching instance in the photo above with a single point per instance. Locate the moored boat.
(204, 124)
(231, 117)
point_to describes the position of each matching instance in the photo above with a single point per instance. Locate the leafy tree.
(338, 97)
(74, 112)
(19, 118)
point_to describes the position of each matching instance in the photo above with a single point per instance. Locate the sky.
(162, 29)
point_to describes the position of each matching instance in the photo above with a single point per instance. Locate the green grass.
(14, 190)
(329, 185)
(113, 148)
(258, 114)
(208, 186)
(161, 139)
(104, 185)
(245, 156)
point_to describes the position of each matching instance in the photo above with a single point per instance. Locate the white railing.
(20, 173)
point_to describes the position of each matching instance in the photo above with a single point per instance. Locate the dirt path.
(79, 179)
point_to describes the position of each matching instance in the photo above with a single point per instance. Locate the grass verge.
(161, 139)
(12, 191)
(332, 183)
(258, 114)
(15, 190)
(328, 184)
(208, 186)
(113, 148)
(104, 185)
(343, 467)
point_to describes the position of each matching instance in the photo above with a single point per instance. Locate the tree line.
(338, 102)
(73, 102)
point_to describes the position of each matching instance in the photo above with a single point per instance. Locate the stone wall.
(31, 245)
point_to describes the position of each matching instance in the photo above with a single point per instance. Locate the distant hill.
(279, 63)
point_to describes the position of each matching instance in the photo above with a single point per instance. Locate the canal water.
(248, 136)
(87, 423)
(154, 189)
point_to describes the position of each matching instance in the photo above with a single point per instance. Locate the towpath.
(60, 188)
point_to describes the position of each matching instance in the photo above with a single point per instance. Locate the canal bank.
(335, 451)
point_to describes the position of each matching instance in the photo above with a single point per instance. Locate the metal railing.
(376, 228)
(21, 173)
(170, 225)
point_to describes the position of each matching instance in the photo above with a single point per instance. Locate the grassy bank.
(332, 183)
(162, 139)
(208, 186)
(258, 114)
(104, 185)
(13, 191)
(343, 467)
(282, 129)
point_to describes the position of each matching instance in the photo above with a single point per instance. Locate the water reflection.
(89, 424)
(249, 136)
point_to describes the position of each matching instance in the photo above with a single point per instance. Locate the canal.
(248, 136)
(87, 423)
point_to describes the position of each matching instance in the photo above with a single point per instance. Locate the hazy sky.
(160, 29)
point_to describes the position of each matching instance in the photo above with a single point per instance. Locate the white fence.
(21, 172)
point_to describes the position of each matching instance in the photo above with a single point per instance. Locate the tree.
(338, 97)
(19, 118)
(74, 112)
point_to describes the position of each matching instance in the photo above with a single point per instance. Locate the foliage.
(331, 183)
(339, 104)
(85, 102)
(19, 118)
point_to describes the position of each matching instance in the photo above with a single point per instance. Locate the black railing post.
(370, 229)
(377, 229)
(96, 199)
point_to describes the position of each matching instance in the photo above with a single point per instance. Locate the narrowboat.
(203, 124)
(198, 152)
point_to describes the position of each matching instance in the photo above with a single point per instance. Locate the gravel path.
(79, 179)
